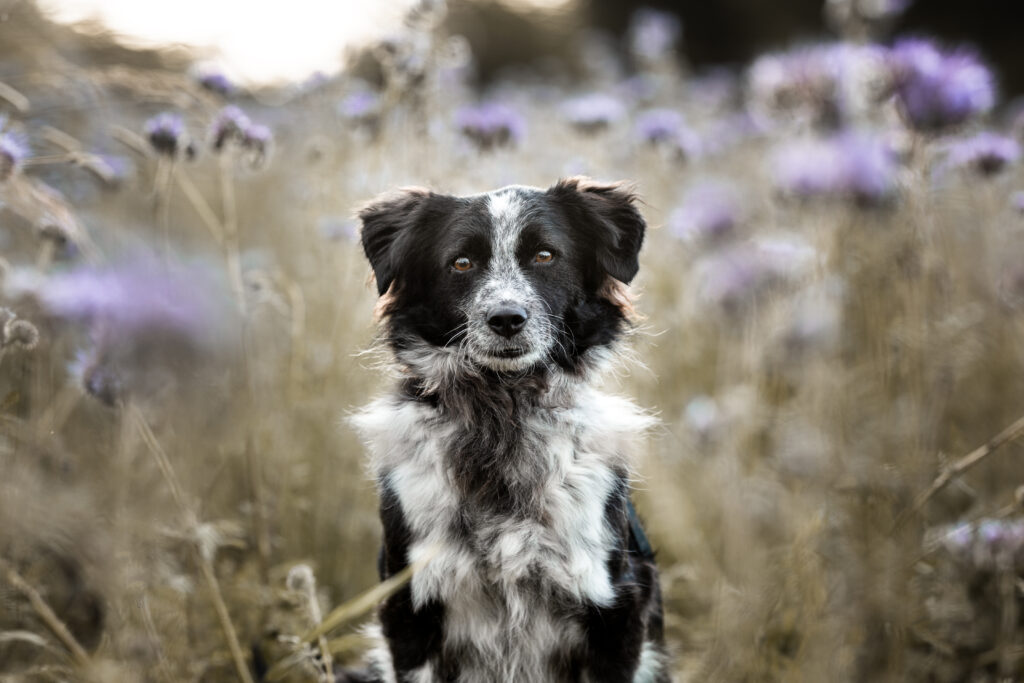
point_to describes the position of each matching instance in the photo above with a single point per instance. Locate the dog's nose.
(506, 320)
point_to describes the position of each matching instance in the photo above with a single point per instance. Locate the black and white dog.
(495, 455)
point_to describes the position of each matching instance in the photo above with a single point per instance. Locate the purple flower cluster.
(233, 125)
(852, 165)
(653, 34)
(360, 106)
(828, 82)
(938, 89)
(216, 82)
(491, 124)
(986, 153)
(594, 112)
(667, 128)
(709, 211)
(143, 296)
(989, 544)
(166, 134)
(138, 314)
(13, 152)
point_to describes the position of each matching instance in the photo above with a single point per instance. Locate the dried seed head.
(301, 579)
(20, 334)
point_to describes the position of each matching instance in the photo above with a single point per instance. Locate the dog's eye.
(462, 264)
(544, 256)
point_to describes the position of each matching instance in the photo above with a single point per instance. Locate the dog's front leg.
(617, 634)
(414, 635)
(615, 638)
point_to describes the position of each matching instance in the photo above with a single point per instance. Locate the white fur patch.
(652, 665)
(494, 608)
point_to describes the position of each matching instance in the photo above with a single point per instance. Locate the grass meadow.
(832, 301)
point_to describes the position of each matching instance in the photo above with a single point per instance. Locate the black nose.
(506, 320)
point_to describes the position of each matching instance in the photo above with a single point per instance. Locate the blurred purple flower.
(359, 106)
(986, 153)
(659, 125)
(166, 134)
(141, 315)
(654, 34)
(230, 124)
(831, 82)
(491, 124)
(217, 82)
(851, 165)
(726, 133)
(667, 128)
(593, 112)
(990, 544)
(335, 229)
(731, 277)
(142, 296)
(13, 152)
(715, 88)
(936, 89)
(709, 211)
(233, 125)
(257, 140)
(638, 88)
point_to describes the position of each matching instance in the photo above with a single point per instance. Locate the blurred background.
(832, 295)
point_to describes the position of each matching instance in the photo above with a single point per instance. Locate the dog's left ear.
(385, 220)
(607, 216)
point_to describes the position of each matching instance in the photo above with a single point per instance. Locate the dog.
(503, 473)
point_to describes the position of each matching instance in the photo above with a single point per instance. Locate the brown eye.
(462, 264)
(544, 257)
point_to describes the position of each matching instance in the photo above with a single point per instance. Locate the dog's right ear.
(385, 220)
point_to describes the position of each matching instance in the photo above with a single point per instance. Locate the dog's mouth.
(508, 353)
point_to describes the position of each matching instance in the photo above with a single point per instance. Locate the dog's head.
(512, 279)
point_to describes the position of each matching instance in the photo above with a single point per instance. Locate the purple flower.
(659, 125)
(986, 153)
(593, 112)
(856, 166)
(230, 124)
(335, 229)
(233, 125)
(217, 82)
(257, 139)
(131, 298)
(13, 152)
(491, 124)
(653, 34)
(359, 106)
(937, 90)
(667, 128)
(166, 134)
(829, 82)
(709, 211)
(141, 315)
(731, 277)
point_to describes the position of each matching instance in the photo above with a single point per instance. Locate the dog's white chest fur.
(504, 578)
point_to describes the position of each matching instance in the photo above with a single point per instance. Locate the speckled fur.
(512, 477)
